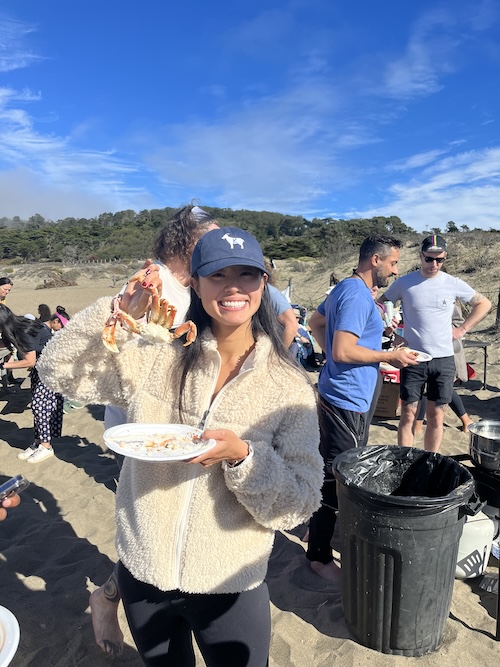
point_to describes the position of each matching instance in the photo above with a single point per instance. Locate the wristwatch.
(237, 462)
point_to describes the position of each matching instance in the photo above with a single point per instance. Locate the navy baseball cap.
(434, 243)
(227, 246)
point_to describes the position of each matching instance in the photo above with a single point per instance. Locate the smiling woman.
(237, 383)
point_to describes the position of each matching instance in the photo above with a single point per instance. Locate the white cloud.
(13, 55)
(416, 161)
(57, 173)
(427, 56)
(24, 192)
(464, 188)
(278, 153)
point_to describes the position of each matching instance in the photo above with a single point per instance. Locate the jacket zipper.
(182, 524)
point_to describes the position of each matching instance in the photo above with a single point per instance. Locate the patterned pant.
(47, 410)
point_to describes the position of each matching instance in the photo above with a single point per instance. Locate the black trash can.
(401, 514)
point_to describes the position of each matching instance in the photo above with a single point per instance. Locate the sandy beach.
(58, 545)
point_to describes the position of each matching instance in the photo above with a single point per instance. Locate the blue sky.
(312, 107)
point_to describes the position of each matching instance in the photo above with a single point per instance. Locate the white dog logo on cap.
(234, 240)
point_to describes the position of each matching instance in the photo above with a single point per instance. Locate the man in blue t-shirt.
(348, 327)
(428, 297)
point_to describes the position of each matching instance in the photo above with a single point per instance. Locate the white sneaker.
(22, 456)
(40, 454)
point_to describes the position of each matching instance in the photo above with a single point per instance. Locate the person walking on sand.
(29, 337)
(194, 537)
(348, 327)
(428, 297)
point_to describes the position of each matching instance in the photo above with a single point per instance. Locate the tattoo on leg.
(111, 591)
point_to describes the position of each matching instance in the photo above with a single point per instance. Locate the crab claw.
(188, 328)
(108, 335)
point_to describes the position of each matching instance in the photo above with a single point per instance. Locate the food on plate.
(413, 353)
(161, 443)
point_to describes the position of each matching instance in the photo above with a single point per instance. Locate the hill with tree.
(128, 235)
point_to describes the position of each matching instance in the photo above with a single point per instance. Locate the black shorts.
(438, 374)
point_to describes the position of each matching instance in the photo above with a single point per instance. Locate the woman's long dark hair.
(44, 312)
(264, 322)
(18, 332)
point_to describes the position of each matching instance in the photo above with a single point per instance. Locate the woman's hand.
(136, 298)
(11, 501)
(229, 448)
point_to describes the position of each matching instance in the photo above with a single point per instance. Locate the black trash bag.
(407, 477)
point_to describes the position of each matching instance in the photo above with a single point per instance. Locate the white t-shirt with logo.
(427, 305)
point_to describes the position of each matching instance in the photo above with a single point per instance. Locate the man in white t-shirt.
(427, 298)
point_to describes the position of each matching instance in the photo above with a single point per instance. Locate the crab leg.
(154, 309)
(108, 336)
(167, 314)
(188, 328)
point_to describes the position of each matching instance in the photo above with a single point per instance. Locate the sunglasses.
(438, 260)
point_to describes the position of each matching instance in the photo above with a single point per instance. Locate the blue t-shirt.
(278, 300)
(350, 307)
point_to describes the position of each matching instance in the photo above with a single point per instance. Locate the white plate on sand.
(9, 636)
(157, 442)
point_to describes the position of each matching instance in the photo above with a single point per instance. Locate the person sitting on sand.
(29, 337)
(61, 310)
(194, 537)
(44, 313)
(6, 285)
(57, 322)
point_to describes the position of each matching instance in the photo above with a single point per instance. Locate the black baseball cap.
(434, 243)
(227, 246)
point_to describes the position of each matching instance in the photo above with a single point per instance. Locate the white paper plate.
(9, 636)
(422, 356)
(132, 440)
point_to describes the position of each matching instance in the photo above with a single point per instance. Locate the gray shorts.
(439, 376)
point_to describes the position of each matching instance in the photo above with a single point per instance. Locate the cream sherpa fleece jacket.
(182, 526)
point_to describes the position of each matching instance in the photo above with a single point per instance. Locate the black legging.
(456, 405)
(232, 629)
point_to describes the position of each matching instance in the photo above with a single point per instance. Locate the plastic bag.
(407, 477)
